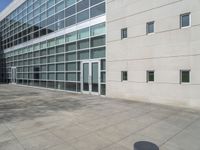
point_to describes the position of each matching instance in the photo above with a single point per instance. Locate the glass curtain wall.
(36, 18)
(55, 63)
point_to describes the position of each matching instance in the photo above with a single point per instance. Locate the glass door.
(13, 74)
(90, 80)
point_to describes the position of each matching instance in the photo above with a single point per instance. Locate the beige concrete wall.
(167, 51)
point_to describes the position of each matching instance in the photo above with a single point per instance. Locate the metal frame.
(13, 75)
(90, 76)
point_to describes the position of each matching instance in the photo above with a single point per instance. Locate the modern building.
(57, 44)
(134, 49)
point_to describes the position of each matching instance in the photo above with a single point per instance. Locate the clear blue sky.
(4, 3)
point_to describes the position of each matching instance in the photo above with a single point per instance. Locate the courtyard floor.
(38, 119)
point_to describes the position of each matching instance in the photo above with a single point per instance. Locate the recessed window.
(184, 76)
(124, 76)
(150, 27)
(185, 20)
(124, 33)
(150, 76)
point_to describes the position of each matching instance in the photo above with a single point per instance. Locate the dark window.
(36, 72)
(70, 21)
(124, 33)
(97, 10)
(50, 20)
(150, 76)
(150, 27)
(59, 16)
(124, 76)
(185, 20)
(43, 32)
(185, 76)
(70, 11)
(98, 41)
(82, 5)
(94, 2)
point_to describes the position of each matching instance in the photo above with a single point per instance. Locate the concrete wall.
(167, 51)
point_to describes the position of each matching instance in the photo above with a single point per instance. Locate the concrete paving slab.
(35, 119)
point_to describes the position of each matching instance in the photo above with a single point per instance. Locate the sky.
(4, 3)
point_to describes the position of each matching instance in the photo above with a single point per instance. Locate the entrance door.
(90, 77)
(13, 74)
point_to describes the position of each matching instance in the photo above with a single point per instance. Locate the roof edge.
(10, 8)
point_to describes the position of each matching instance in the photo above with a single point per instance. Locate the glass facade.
(56, 62)
(36, 18)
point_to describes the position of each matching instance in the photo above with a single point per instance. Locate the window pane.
(70, 11)
(93, 2)
(50, 11)
(43, 60)
(59, 16)
(82, 5)
(51, 59)
(70, 21)
(83, 55)
(71, 37)
(51, 43)
(51, 76)
(124, 75)
(60, 76)
(60, 58)
(185, 20)
(60, 67)
(51, 51)
(71, 46)
(50, 3)
(43, 45)
(60, 6)
(97, 10)
(97, 29)
(70, 86)
(150, 76)
(150, 27)
(71, 76)
(83, 44)
(69, 2)
(71, 56)
(71, 66)
(51, 68)
(60, 49)
(83, 16)
(124, 33)
(43, 76)
(98, 53)
(60, 40)
(84, 33)
(98, 41)
(185, 76)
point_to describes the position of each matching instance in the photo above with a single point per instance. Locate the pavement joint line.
(76, 138)
(63, 141)
(16, 138)
(133, 133)
(180, 131)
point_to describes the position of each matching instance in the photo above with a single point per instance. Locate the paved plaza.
(40, 119)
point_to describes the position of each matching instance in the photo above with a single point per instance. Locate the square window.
(150, 76)
(185, 20)
(124, 33)
(124, 76)
(184, 76)
(150, 27)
